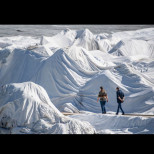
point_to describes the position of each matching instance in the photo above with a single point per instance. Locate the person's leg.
(101, 105)
(104, 110)
(118, 109)
(121, 108)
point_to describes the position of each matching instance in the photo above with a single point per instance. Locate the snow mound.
(85, 59)
(63, 39)
(139, 48)
(86, 40)
(28, 105)
(104, 43)
(26, 102)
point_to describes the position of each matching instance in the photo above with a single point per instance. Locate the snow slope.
(71, 66)
(26, 106)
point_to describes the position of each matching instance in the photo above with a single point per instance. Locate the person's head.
(117, 88)
(101, 88)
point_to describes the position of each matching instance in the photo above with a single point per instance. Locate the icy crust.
(27, 105)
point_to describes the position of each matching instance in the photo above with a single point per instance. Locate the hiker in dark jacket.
(120, 99)
(103, 99)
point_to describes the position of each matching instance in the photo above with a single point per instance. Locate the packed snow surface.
(44, 76)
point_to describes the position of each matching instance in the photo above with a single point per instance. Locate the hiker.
(120, 99)
(103, 99)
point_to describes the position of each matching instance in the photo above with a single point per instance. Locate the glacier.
(42, 77)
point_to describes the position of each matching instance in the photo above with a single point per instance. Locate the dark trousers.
(103, 106)
(119, 107)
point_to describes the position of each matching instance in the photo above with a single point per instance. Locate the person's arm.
(97, 99)
(119, 98)
(107, 98)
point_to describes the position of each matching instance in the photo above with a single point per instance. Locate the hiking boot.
(116, 113)
(123, 113)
